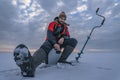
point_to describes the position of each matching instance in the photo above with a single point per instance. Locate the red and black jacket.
(56, 31)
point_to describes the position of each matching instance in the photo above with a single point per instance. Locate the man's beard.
(61, 22)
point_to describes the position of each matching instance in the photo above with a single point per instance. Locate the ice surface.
(100, 66)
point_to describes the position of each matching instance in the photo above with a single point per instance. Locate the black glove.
(58, 52)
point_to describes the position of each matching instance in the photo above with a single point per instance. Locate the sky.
(26, 21)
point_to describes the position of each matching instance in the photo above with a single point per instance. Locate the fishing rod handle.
(97, 10)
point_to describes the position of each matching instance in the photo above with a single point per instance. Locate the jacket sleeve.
(50, 35)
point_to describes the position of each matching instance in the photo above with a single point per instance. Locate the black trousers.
(47, 46)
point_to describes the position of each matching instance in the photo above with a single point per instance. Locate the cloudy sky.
(26, 21)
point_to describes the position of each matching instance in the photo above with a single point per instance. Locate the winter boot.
(27, 69)
(24, 60)
(67, 51)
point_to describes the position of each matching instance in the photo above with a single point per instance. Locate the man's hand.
(61, 40)
(57, 47)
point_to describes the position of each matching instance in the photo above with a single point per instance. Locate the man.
(57, 37)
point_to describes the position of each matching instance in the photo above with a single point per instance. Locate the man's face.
(62, 20)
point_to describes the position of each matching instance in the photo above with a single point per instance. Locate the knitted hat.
(62, 14)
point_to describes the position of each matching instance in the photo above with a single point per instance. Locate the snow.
(22, 50)
(99, 66)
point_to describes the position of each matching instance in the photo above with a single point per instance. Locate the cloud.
(6, 23)
(82, 8)
(26, 21)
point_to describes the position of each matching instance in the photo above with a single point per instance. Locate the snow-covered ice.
(99, 66)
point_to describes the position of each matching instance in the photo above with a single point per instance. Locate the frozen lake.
(100, 66)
